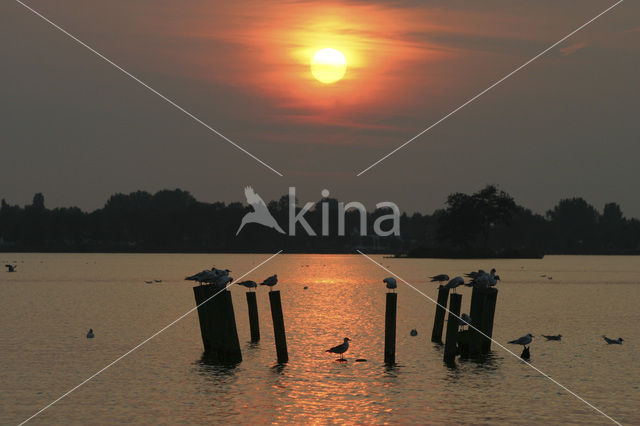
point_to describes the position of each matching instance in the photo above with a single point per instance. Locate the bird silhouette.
(11, 268)
(617, 341)
(440, 278)
(340, 349)
(260, 213)
(391, 283)
(270, 281)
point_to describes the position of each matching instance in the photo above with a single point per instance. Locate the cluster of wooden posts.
(218, 324)
(475, 340)
(220, 334)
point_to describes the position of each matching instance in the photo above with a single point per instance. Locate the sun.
(328, 65)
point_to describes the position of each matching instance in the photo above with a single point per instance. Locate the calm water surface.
(47, 307)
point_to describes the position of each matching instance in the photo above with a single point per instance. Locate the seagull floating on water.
(11, 268)
(524, 340)
(617, 341)
(158, 281)
(271, 281)
(556, 337)
(340, 349)
(440, 278)
(456, 282)
(149, 282)
(90, 334)
(248, 284)
(391, 283)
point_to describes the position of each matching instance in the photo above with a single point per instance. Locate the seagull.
(221, 281)
(149, 282)
(558, 337)
(200, 277)
(414, 332)
(11, 268)
(271, 281)
(391, 283)
(340, 349)
(481, 279)
(260, 213)
(456, 282)
(248, 284)
(90, 334)
(464, 320)
(617, 341)
(158, 281)
(524, 340)
(474, 275)
(440, 278)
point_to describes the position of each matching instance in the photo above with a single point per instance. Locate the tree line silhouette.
(487, 223)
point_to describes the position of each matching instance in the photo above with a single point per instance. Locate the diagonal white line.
(118, 67)
(498, 343)
(144, 341)
(491, 87)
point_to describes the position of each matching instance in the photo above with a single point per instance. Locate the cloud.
(573, 48)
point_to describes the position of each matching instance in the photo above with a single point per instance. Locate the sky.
(78, 130)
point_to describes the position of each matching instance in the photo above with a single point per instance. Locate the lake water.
(47, 306)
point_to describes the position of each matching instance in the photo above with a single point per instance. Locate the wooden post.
(487, 322)
(438, 320)
(390, 329)
(278, 327)
(217, 324)
(450, 346)
(476, 339)
(254, 323)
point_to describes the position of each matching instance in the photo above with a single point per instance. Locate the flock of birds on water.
(480, 279)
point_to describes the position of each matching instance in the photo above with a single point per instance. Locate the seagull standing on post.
(391, 283)
(440, 278)
(271, 281)
(456, 282)
(524, 340)
(248, 284)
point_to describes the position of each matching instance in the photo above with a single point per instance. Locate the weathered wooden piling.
(438, 320)
(390, 328)
(254, 323)
(278, 327)
(450, 346)
(217, 324)
(476, 311)
(488, 317)
(483, 307)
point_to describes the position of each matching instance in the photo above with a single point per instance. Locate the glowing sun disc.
(328, 65)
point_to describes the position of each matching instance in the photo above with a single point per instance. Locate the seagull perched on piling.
(557, 337)
(464, 320)
(213, 276)
(456, 282)
(271, 281)
(440, 278)
(617, 341)
(391, 283)
(481, 279)
(524, 340)
(248, 284)
(340, 349)
(11, 268)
